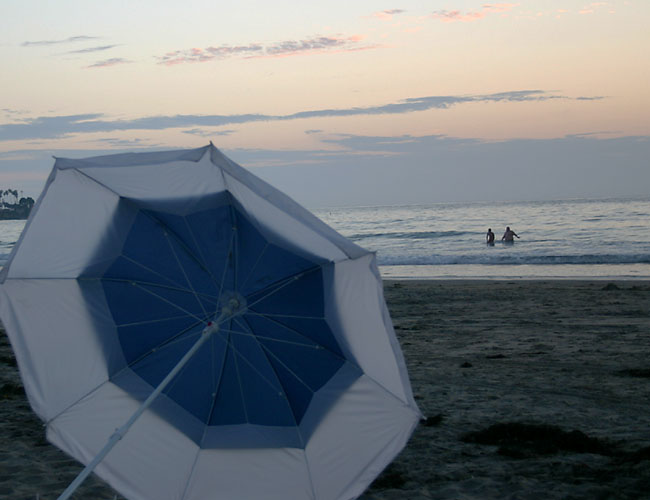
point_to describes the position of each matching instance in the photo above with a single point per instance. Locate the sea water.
(606, 239)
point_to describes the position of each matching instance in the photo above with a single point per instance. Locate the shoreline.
(546, 358)
(595, 272)
(643, 281)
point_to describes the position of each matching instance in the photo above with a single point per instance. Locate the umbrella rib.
(294, 316)
(233, 218)
(151, 284)
(217, 386)
(271, 339)
(202, 320)
(147, 268)
(212, 277)
(259, 257)
(281, 284)
(180, 241)
(176, 378)
(225, 265)
(284, 391)
(343, 358)
(169, 341)
(297, 332)
(196, 243)
(110, 378)
(236, 351)
(189, 283)
(241, 388)
(151, 321)
(287, 368)
(339, 356)
(155, 219)
(192, 469)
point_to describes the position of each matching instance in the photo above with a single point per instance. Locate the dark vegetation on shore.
(13, 205)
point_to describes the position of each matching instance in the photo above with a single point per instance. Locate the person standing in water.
(489, 237)
(507, 236)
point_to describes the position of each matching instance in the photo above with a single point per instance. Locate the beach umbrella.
(190, 332)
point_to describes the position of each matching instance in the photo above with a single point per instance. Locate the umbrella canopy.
(291, 384)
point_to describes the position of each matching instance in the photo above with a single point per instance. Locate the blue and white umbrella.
(241, 347)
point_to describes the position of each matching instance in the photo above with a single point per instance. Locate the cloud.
(437, 168)
(72, 39)
(380, 170)
(451, 16)
(91, 49)
(284, 48)
(51, 127)
(387, 15)
(13, 112)
(499, 7)
(207, 54)
(592, 7)
(122, 143)
(317, 44)
(114, 61)
(208, 133)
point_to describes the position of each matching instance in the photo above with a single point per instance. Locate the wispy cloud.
(387, 15)
(451, 16)
(207, 54)
(50, 127)
(318, 44)
(208, 133)
(91, 49)
(363, 170)
(121, 143)
(592, 7)
(12, 112)
(114, 61)
(72, 39)
(286, 48)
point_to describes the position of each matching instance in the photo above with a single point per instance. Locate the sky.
(336, 103)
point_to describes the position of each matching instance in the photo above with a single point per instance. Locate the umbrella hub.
(231, 304)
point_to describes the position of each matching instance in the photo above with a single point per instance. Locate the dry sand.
(556, 373)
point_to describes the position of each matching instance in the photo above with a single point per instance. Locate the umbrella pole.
(228, 311)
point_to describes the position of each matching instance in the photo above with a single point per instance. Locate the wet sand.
(531, 389)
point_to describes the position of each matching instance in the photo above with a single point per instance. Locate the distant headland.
(13, 205)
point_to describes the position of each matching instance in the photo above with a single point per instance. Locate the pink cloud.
(387, 15)
(592, 7)
(451, 16)
(499, 7)
(286, 48)
(114, 61)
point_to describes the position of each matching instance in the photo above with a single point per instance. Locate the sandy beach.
(531, 389)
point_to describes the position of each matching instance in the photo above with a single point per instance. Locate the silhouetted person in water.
(489, 237)
(507, 236)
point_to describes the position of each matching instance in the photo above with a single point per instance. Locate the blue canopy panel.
(171, 278)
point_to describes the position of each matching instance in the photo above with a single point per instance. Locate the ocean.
(603, 239)
(578, 239)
